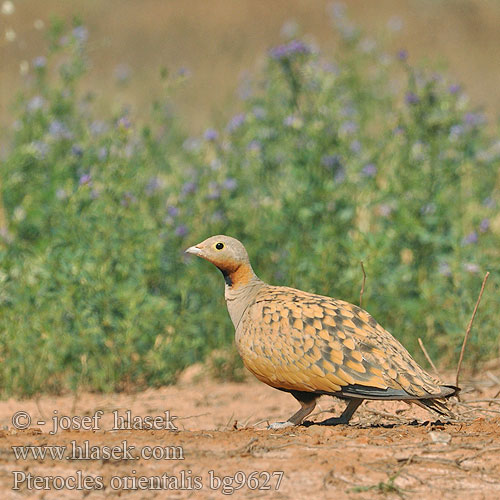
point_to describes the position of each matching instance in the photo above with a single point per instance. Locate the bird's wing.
(294, 340)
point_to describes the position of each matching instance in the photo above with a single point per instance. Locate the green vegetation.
(326, 165)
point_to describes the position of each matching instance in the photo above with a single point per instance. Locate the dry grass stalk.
(427, 357)
(469, 327)
(363, 285)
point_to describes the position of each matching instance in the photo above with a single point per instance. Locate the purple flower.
(444, 269)
(81, 34)
(456, 131)
(398, 130)
(173, 211)
(472, 268)
(102, 154)
(355, 146)
(454, 88)
(153, 185)
(412, 98)
(35, 103)
(39, 62)
(484, 225)
(85, 180)
(259, 112)
(385, 210)
(236, 122)
(189, 187)
(347, 110)
(331, 161)
(339, 174)
(289, 50)
(184, 72)
(470, 239)
(77, 150)
(211, 134)
(41, 148)
(123, 122)
(369, 170)
(230, 184)
(403, 55)
(58, 130)
(128, 199)
(98, 127)
(56, 127)
(218, 216)
(489, 202)
(254, 146)
(181, 231)
(348, 128)
(473, 119)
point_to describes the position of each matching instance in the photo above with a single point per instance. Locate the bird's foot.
(334, 421)
(280, 425)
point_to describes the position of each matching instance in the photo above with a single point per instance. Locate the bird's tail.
(439, 405)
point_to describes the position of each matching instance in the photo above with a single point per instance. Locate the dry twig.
(476, 408)
(363, 285)
(469, 328)
(478, 454)
(427, 357)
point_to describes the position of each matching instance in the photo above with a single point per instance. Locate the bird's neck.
(242, 285)
(239, 277)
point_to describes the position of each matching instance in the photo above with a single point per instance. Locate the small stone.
(440, 437)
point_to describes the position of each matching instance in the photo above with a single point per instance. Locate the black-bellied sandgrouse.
(310, 345)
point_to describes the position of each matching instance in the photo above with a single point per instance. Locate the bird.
(312, 345)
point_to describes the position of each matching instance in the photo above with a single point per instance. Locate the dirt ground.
(388, 451)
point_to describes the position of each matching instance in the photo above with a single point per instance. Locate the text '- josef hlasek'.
(121, 421)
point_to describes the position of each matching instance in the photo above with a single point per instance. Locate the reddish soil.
(389, 450)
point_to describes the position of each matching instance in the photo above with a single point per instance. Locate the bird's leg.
(307, 404)
(352, 406)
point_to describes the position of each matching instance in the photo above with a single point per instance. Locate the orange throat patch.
(241, 276)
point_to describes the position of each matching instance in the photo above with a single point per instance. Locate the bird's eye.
(219, 246)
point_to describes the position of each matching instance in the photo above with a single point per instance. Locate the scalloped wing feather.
(300, 341)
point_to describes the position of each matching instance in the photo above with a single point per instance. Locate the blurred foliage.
(325, 166)
(225, 365)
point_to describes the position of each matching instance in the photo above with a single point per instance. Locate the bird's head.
(228, 255)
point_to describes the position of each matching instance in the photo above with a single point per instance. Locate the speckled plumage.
(310, 345)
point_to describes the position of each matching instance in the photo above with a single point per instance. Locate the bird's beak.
(194, 250)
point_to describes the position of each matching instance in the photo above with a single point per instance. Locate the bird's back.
(294, 340)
